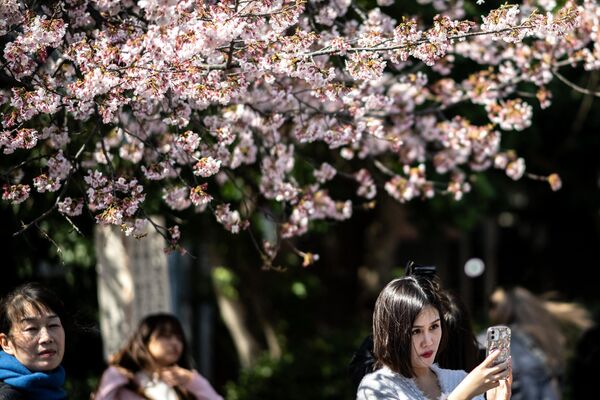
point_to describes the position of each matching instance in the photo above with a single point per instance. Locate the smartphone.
(498, 337)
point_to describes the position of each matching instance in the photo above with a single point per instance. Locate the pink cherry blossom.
(207, 166)
(71, 207)
(515, 169)
(199, 197)
(110, 102)
(15, 193)
(554, 181)
(230, 220)
(325, 173)
(367, 188)
(514, 114)
(177, 197)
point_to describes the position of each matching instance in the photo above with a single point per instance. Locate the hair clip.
(427, 271)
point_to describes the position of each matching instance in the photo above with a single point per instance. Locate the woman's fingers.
(501, 391)
(489, 360)
(504, 364)
(170, 376)
(499, 368)
(487, 375)
(500, 376)
(491, 385)
(175, 375)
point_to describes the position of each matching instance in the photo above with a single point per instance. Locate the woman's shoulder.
(8, 392)
(201, 388)
(382, 374)
(383, 384)
(117, 373)
(112, 381)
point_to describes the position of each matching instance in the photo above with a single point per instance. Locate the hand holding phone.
(494, 375)
(498, 337)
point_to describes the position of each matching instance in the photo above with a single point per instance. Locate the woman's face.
(37, 340)
(165, 349)
(426, 336)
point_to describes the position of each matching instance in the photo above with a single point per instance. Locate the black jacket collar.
(8, 392)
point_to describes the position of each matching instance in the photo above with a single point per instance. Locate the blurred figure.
(537, 343)
(584, 369)
(461, 352)
(362, 362)
(408, 331)
(33, 345)
(154, 365)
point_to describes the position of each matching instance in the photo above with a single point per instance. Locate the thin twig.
(412, 44)
(48, 238)
(575, 86)
(46, 213)
(383, 168)
(73, 225)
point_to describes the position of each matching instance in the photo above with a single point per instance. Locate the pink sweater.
(112, 387)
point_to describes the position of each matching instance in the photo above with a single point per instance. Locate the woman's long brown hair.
(136, 357)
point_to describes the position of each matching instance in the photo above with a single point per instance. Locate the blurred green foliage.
(314, 369)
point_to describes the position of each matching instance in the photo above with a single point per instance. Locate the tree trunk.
(132, 281)
(233, 313)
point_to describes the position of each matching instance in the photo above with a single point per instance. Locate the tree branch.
(575, 86)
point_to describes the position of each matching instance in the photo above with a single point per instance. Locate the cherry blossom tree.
(114, 109)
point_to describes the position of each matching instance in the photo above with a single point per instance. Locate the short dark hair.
(14, 305)
(135, 356)
(396, 309)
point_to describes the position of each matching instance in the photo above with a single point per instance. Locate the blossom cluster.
(112, 102)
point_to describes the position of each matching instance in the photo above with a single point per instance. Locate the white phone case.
(498, 337)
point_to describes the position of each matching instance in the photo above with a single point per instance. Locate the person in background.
(33, 345)
(154, 365)
(583, 371)
(408, 331)
(538, 344)
(462, 350)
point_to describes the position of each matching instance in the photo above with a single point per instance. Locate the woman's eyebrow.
(431, 323)
(31, 319)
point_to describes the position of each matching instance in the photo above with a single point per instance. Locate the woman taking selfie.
(154, 365)
(408, 332)
(461, 350)
(33, 344)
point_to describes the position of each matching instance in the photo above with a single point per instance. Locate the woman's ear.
(7, 344)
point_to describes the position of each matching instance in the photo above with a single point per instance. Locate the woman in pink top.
(154, 365)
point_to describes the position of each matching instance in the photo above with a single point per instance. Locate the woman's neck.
(422, 372)
(427, 382)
